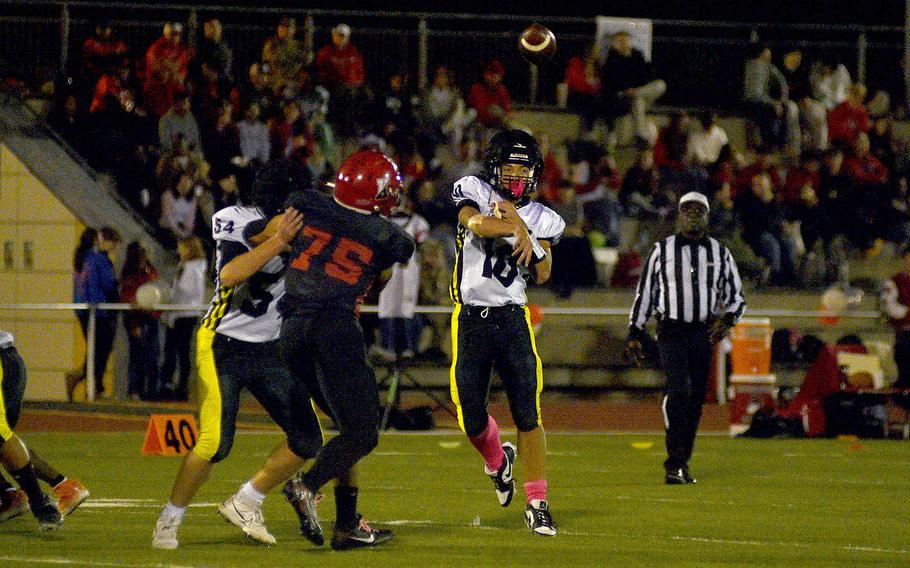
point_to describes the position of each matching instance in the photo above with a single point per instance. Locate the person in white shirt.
(830, 83)
(705, 144)
(254, 136)
(188, 288)
(399, 328)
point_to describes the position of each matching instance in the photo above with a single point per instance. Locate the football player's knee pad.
(303, 446)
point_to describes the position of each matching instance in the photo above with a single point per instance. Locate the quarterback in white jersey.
(486, 272)
(237, 348)
(502, 238)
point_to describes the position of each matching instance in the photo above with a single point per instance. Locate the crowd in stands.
(182, 130)
(827, 177)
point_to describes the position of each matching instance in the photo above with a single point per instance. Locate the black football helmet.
(513, 147)
(275, 181)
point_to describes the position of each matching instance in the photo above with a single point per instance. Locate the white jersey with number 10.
(486, 273)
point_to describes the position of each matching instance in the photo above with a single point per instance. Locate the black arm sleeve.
(253, 228)
(228, 251)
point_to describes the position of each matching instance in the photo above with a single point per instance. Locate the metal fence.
(576, 312)
(701, 61)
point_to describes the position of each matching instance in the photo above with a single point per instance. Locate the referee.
(692, 285)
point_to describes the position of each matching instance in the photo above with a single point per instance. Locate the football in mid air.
(537, 44)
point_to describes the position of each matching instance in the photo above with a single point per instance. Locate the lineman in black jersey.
(502, 237)
(343, 247)
(236, 348)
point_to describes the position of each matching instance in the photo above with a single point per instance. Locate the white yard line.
(705, 540)
(66, 561)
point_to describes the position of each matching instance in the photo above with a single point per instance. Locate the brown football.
(537, 44)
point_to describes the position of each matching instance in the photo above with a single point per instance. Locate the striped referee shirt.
(687, 281)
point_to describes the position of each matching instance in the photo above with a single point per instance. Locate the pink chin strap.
(516, 187)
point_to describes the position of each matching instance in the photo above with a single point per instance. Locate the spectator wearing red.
(490, 98)
(285, 129)
(166, 67)
(763, 164)
(802, 180)
(863, 168)
(583, 82)
(102, 51)
(895, 305)
(339, 68)
(849, 118)
(339, 64)
(111, 87)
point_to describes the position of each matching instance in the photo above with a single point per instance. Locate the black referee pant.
(685, 355)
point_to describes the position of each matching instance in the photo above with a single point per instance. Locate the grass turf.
(757, 503)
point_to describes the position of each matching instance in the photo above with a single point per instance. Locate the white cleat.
(165, 535)
(248, 519)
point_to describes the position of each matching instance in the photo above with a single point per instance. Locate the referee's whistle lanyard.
(485, 312)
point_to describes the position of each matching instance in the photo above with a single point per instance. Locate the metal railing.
(700, 60)
(548, 311)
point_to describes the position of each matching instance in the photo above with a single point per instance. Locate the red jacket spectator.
(579, 80)
(109, 85)
(490, 98)
(339, 66)
(796, 180)
(166, 67)
(847, 121)
(762, 164)
(866, 170)
(102, 52)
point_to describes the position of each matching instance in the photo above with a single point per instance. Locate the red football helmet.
(368, 181)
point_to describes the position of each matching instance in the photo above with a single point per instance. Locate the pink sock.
(489, 445)
(536, 490)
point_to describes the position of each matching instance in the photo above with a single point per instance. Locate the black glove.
(720, 327)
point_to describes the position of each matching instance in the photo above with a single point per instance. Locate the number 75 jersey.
(486, 273)
(248, 311)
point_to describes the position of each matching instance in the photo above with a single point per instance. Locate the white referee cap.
(696, 197)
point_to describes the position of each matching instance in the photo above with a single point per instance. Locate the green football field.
(788, 503)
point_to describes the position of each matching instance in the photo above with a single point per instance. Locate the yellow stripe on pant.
(539, 365)
(210, 396)
(453, 384)
(6, 433)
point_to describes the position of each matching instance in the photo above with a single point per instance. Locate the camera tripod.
(396, 372)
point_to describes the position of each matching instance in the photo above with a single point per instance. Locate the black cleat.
(539, 519)
(679, 476)
(304, 503)
(503, 480)
(360, 536)
(49, 518)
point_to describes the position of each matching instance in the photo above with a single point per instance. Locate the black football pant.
(498, 338)
(685, 355)
(325, 351)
